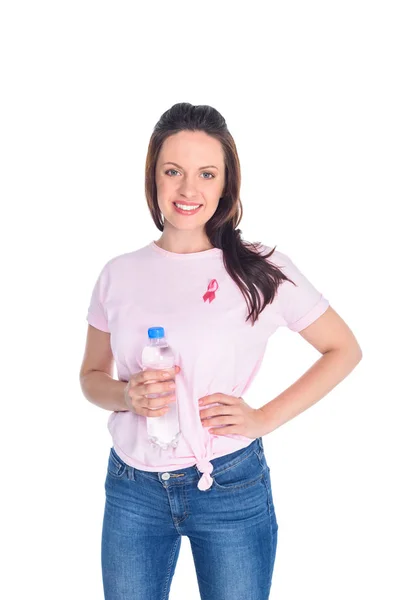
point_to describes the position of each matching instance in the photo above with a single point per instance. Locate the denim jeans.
(232, 528)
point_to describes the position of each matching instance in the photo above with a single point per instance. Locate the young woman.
(219, 299)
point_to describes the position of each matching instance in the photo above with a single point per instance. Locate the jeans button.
(165, 476)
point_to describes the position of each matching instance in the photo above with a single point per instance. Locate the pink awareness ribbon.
(210, 293)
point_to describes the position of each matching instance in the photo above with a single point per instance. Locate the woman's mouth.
(185, 209)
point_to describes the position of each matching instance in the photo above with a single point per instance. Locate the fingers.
(156, 374)
(159, 402)
(150, 407)
(148, 412)
(148, 382)
(153, 375)
(217, 411)
(153, 407)
(227, 420)
(219, 399)
(155, 382)
(148, 389)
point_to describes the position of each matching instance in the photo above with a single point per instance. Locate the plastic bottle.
(163, 431)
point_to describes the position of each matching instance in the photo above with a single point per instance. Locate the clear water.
(163, 431)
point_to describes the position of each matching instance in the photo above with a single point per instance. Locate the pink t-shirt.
(203, 313)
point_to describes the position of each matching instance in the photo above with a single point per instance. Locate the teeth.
(184, 207)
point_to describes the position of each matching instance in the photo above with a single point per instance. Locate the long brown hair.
(246, 264)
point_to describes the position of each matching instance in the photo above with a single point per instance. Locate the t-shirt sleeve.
(301, 304)
(97, 314)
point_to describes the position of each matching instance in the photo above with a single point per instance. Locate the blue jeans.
(232, 528)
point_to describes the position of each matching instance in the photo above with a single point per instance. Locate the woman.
(219, 299)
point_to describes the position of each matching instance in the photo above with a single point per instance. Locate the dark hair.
(243, 261)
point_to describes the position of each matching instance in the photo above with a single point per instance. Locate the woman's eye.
(205, 172)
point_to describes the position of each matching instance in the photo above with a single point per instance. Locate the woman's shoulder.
(125, 259)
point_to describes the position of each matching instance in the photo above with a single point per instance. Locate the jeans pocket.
(116, 466)
(245, 472)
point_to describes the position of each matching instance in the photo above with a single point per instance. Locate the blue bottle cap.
(156, 332)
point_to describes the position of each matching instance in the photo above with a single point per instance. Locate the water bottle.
(163, 431)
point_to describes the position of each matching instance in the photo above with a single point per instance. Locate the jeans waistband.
(189, 474)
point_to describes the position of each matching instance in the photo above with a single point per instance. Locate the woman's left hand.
(235, 415)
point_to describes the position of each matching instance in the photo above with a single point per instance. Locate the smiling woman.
(220, 301)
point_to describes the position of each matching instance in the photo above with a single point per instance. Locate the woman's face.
(190, 169)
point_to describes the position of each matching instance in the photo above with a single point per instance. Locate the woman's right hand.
(138, 388)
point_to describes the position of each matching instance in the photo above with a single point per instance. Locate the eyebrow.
(179, 167)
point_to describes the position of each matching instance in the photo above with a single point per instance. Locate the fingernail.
(200, 401)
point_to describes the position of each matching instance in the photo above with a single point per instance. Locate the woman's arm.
(104, 391)
(341, 353)
(97, 383)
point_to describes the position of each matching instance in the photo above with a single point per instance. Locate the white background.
(310, 92)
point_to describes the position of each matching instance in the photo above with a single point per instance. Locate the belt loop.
(131, 473)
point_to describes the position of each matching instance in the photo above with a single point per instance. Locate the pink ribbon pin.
(210, 293)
